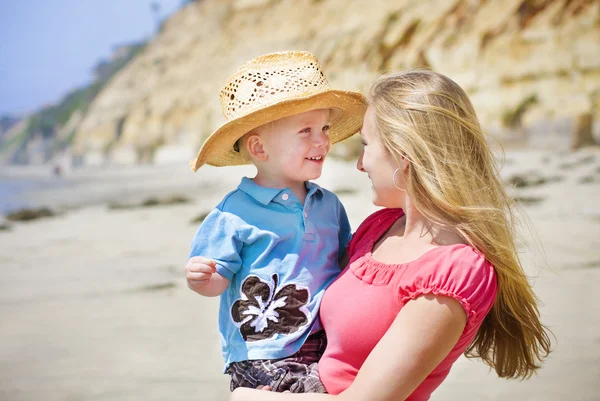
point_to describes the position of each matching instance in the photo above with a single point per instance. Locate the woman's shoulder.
(457, 253)
(459, 271)
(456, 262)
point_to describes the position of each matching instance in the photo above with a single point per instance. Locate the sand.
(94, 303)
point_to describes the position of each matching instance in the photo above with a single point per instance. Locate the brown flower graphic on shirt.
(264, 310)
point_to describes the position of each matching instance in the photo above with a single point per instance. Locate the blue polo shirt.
(280, 256)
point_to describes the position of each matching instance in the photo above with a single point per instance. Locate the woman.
(436, 273)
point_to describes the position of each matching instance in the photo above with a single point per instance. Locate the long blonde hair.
(455, 183)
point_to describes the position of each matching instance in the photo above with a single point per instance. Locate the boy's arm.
(215, 255)
(202, 277)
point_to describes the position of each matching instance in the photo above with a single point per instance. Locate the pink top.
(361, 304)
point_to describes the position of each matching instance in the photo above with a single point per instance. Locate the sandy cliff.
(531, 67)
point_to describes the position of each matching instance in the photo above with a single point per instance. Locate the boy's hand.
(198, 272)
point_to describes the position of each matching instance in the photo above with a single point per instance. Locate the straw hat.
(271, 87)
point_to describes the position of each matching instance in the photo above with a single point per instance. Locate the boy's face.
(296, 146)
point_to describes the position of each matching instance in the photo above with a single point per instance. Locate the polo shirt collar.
(313, 188)
(261, 194)
(266, 195)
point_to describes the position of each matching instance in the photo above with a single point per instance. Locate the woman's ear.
(255, 147)
(404, 163)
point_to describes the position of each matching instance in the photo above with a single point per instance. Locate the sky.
(49, 47)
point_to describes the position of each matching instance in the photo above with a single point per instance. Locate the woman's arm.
(422, 335)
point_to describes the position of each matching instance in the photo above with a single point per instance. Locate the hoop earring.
(394, 180)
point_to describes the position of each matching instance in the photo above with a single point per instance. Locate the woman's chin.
(378, 200)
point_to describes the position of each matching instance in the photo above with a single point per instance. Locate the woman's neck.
(416, 226)
(419, 228)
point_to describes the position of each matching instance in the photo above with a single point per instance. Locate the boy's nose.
(321, 139)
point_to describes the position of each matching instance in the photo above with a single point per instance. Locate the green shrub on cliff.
(47, 121)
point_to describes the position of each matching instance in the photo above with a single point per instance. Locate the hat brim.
(218, 148)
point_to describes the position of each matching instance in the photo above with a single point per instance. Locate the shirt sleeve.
(218, 239)
(458, 272)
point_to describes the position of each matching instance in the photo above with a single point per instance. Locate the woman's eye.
(326, 128)
(363, 143)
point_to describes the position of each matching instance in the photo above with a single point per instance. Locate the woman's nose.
(359, 163)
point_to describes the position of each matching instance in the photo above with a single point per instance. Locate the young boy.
(277, 239)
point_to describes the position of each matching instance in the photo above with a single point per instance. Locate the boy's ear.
(255, 147)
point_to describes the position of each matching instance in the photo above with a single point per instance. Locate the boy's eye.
(326, 128)
(306, 130)
(363, 143)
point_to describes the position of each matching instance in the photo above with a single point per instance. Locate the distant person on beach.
(435, 274)
(57, 170)
(278, 238)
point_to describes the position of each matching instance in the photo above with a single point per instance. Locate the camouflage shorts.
(297, 373)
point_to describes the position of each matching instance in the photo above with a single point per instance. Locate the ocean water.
(16, 193)
(11, 192)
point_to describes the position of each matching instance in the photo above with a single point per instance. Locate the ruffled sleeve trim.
(459, 272)
(471, 313)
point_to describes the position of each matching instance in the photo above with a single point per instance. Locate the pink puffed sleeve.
(456, 271)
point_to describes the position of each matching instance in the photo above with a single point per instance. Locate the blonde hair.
(454, 182)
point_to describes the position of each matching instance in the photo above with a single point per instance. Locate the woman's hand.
(248, 394)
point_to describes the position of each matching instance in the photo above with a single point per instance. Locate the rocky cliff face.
(532, 67)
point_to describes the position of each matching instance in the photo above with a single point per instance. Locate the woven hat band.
(269, 81)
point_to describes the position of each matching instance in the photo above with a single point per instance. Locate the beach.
(95, 305)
